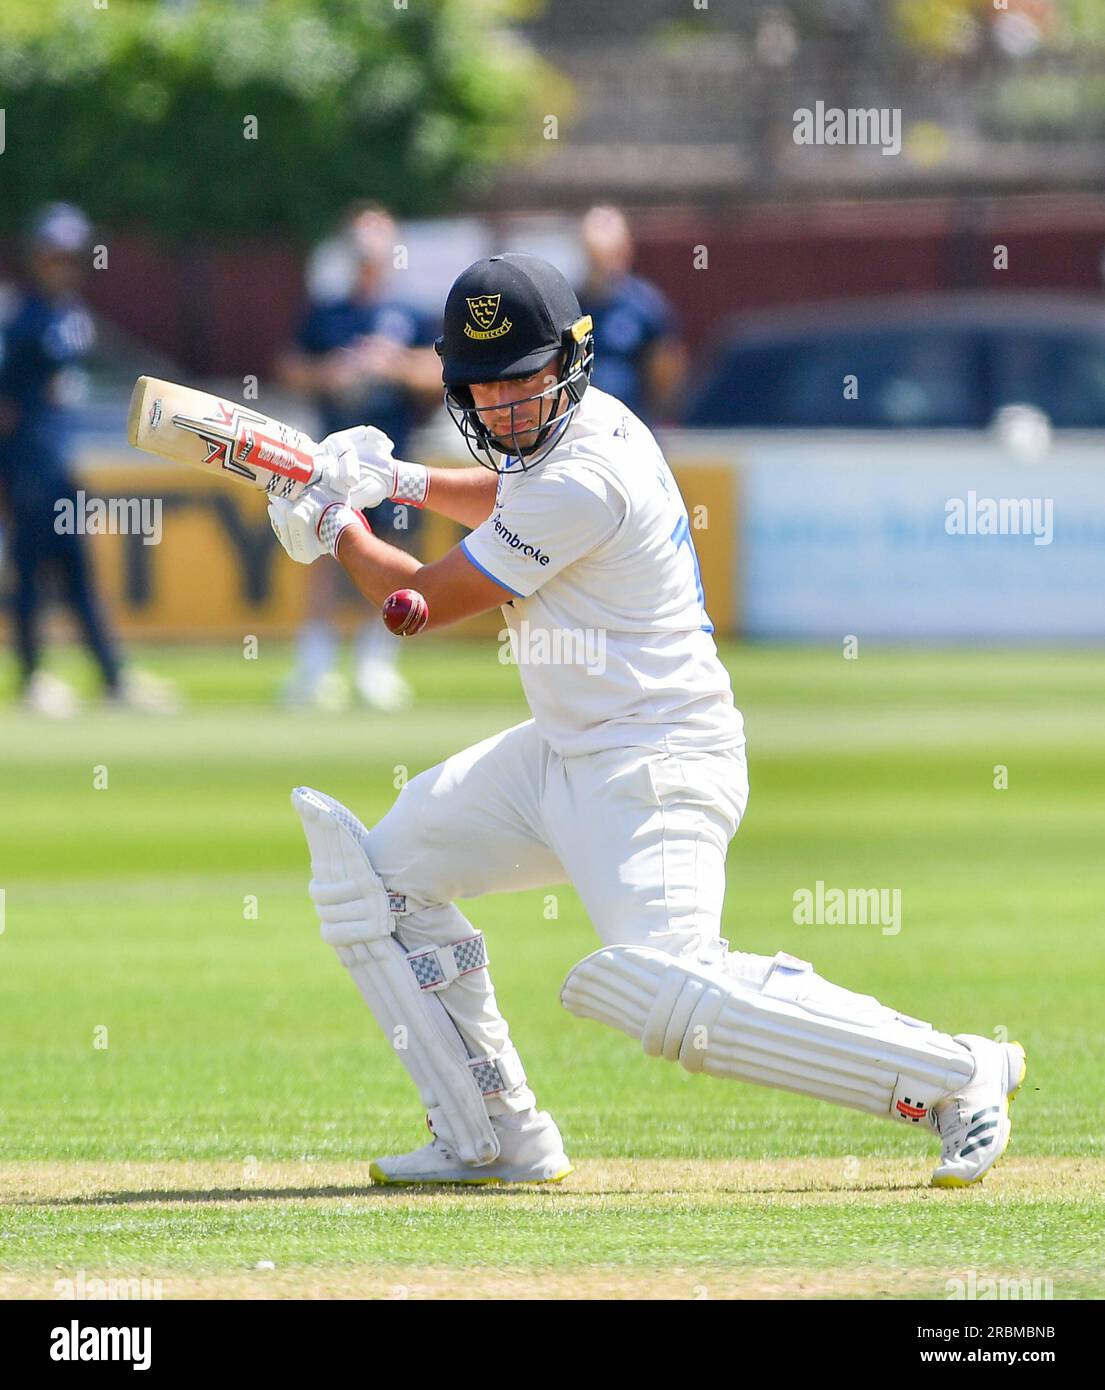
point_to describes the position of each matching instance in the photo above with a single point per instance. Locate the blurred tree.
(942, 27)
(956, 27)
(1086, 20)
(140, 111)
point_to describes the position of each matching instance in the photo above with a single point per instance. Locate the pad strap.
(492, 1075)
(437, 967)
(786, 976)
(503, 1072)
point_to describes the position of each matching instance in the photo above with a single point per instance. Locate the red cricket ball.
(405, 612)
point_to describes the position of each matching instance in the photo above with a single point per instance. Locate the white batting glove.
(313, 524)
(357, 464)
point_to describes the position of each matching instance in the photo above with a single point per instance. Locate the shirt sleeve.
(545, 524)
(428, 329)
(23, 359)
(66, 338)
(659, 319)
(397, 322)
(314, 335)
(5, 358)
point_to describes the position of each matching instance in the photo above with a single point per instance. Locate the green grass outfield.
(189, 1089)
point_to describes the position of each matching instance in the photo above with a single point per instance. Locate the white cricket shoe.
(381, 687)
(145, 693)
(47, 695)
(327, 691)
(975, 1125)
(529, 1155)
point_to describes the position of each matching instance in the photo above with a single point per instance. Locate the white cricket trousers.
(641, 834)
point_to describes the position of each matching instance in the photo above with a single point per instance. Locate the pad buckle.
(503, 1072)
(436, 967)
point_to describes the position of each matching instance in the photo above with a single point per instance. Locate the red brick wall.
(227, 312)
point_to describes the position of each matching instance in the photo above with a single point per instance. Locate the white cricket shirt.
(607, 625)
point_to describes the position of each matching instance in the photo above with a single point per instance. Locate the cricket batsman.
(628, 781)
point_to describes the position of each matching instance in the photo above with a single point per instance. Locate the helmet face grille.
(490, 450)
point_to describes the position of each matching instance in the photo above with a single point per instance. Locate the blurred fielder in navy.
(362, 357)
(42, 346)
(639, 356)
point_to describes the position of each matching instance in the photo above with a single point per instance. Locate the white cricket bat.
(205, 431)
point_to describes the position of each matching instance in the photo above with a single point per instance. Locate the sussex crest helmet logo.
(484, 309)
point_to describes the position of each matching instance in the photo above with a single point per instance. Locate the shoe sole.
(1011, 1095)
(382, 1179)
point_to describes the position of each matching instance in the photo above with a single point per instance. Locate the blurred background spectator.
(360, 355)
(43, 344)
(639, 357)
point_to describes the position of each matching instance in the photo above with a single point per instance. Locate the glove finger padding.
(358, 464)
(370, 444)
(369, 492)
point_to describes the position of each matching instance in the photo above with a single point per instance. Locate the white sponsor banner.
(948, 539)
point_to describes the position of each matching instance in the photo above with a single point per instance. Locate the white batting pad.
(351, 901)
(401, 988)
(795, 1031)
